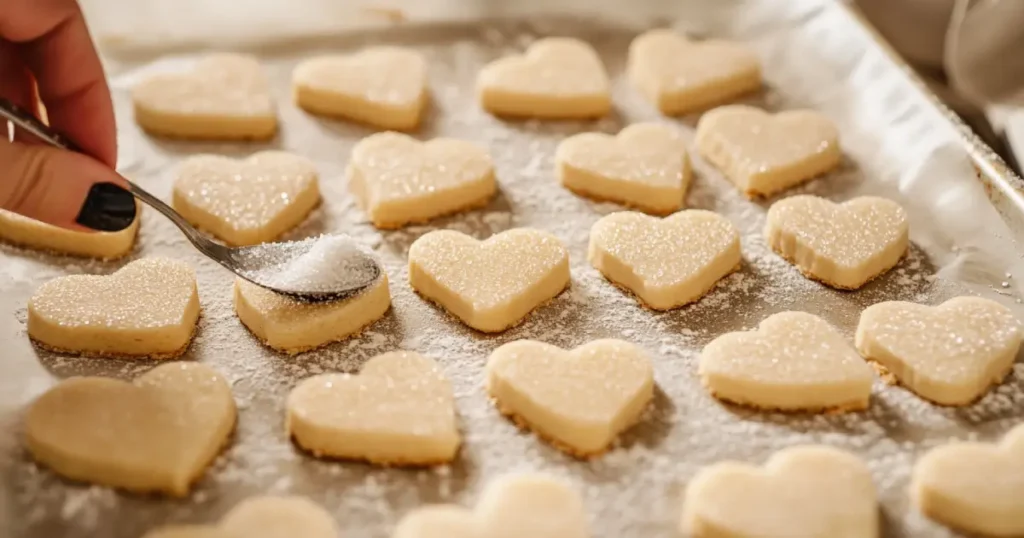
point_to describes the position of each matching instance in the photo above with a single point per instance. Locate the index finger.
(58, 50)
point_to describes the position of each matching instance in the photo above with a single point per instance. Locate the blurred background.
(968, 51)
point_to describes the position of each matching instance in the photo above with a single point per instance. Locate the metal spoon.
(250, 263)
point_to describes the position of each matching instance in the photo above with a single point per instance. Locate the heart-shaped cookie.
(398, 180)
(225, 97)
(681, 76)
(802, 491)
(261, 517)
(293, 326)
(381, 86)
(764, 153)
(580, 399)
(843, 245)
(512, 506)
(148, 308)
(157, 434)
(666, 262)
(974, 487)
(950, 354)
(399, 410)
(557, 78)
(248, 201)
(475, 281)
(794, 361)
(644, 166)
(31, 233)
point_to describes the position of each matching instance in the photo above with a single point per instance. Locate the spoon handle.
(27, 121)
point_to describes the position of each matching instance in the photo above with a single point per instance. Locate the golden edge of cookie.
(890, 379)
(791, 260)
(824, 410)
(399, 224)
(187, 214)
(646, 306)
(813, 410)
(754, 194)
(382, 462)
(525, 425)
(929, 510)
(668, 108)
(660, 212)
(116, 355)
(28, 246)
(292, 351)
(515, 323)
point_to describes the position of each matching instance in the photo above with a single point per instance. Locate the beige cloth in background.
(971, 52)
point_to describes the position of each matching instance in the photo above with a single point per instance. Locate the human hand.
(46, 55)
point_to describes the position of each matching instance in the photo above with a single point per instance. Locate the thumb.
(63, 188)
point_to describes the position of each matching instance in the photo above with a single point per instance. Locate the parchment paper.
(896, 144)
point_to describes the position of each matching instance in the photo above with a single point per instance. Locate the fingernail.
(107, 208)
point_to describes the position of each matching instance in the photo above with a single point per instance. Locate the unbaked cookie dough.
(579, 399)
(23, 231)
(225, 97)
(512, 506)
(666, 262)
(248, 201)
(794, 361)
(477, 282)
(292, 326)
(950, 354)
(399, 410)
(148, 308)
(644, 166)
(399, 180)
(843, 245)
(764, 153)
(156, 434)
(974, 487)
(384, 87)
(262, 517)
(681, 76)
(557, 78)
(802, 491)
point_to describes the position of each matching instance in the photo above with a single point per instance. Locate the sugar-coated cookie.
(679, 76)
(225, 97)
(644, 166)
(974, 487)
(580, 399)
(794, 361)
(399, 410)
(156, 434)
(843, 245)
(399, 180)
(292, 326)
(261, 517)
(512, 506)
(381, 86)
(801, 491)
(490, 285)
(247, 201)
(764, 153)
(148, 308)
(23, 231)
(668, 262)
(557, 78)
(950, 354)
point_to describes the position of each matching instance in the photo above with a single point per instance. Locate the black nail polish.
(107, 208)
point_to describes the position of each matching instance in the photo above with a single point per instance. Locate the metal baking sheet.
(897, 144)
